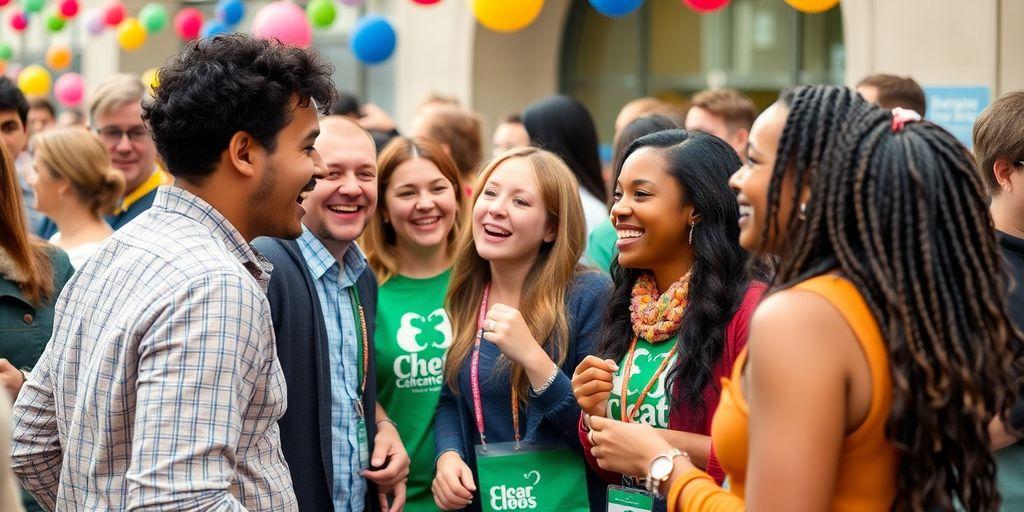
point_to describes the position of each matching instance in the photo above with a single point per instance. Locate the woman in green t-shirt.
(408, 245)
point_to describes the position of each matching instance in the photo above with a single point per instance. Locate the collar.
(9, 270)
(320, 260)
(159, 177)
(179, 201)
(1011, 243)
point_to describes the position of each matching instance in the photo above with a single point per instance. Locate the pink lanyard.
(474, 372)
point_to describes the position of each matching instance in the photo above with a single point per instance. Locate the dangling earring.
(691, 233)
(803, 212)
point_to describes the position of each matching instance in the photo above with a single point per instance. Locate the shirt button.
(27, 318)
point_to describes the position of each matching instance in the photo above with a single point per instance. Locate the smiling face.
(751, 182)
(342, 203)
(420, 204)
(510, 219)
(650, 214)
(131, 147)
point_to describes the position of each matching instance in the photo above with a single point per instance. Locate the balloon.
(130, 34)
(113, 14)
(153, 17)
(812, 6)
(353, 2)
(69, 89)
(58, 56)
(373, 39)
(3, 67)
(54, 23)
(3, 3)
(151, 78)
(230, 12)
(94, 22)
(284, 21)
(506, 15)
(34, 80)
(68, 8)
(615, 8)
(19, 21)
(704, 6)
(426, 2)
(321, 13)
(213, 27)
(33, 5)
(6, 52)
(188, 22)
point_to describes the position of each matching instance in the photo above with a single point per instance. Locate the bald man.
(343, 451)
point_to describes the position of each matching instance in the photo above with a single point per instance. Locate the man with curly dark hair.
(162, 388)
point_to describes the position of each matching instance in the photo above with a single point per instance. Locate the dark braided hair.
(701, 164)
(904, 217)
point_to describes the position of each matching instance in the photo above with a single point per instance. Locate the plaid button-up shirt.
(160, 388)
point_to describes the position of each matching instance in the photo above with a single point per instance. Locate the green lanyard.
(364, 347)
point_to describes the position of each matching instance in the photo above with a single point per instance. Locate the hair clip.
(902, 116)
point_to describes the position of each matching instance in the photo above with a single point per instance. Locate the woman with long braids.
(884, 346)
(678, 316)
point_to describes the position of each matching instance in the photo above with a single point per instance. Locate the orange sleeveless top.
(867, 472)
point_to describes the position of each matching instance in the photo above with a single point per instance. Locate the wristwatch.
(661, 469)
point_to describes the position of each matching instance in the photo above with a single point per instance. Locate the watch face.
(661, 467)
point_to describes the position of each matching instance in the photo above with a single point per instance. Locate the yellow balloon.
(58, 57)
(131, 35)
(506, 15)
(151, 79)
(812, 6)
(34, 80)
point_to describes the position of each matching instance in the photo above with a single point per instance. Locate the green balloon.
(33, 5)
(153, 17)
(321, 13)
(54, 23)
(6, 52)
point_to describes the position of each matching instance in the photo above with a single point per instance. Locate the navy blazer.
(303, 351)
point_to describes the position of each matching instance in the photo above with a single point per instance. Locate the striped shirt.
(160, 388)
(333, 287)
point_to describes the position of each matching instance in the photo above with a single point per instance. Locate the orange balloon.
(3, 66)
(58, 57)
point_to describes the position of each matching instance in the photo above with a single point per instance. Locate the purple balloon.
(94, 23)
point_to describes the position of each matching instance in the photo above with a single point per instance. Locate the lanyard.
(626, 374)
(357, 310)
(474, 372)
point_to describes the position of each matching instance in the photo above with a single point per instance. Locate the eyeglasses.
(112, 134)
(1019, 163)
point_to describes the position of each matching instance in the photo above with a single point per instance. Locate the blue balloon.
(230, 11)
(616, 8)
(373, 39)
(214, 27)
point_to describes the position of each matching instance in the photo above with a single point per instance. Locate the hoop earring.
(803, 212)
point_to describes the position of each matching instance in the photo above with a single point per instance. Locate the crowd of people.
(243, 290)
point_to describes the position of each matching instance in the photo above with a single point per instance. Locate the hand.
(398, 501)
(375, 118)
(592, 384)
(11, 378)
(453, 485)
(505, 327)
(387, 448)
(626, 448)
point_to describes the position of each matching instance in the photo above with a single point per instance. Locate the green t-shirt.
(647, 358)
(412, 335)
(601, 246)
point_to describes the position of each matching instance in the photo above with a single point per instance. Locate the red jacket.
(682, 418)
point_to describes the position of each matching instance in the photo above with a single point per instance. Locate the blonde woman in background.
(75, 186)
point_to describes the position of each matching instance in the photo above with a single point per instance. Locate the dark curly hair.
(904, 216)
(218, 86)
(701, 164)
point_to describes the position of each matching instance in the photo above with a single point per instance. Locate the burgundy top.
(683, 418)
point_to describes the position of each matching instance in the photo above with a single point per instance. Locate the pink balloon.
(426, 2)
(188, 22)
(284, 21)
(19, 21)
(68, 8)
(4, 2)
(705, 6)
(113, 14)
(69, 89)
(94, 23)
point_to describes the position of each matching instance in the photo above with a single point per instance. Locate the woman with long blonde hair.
(409, 244)
(523, 315)
(75, 186)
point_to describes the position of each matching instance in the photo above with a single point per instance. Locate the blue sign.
(956, 108)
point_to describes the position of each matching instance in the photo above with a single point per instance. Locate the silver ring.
(590, 437)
